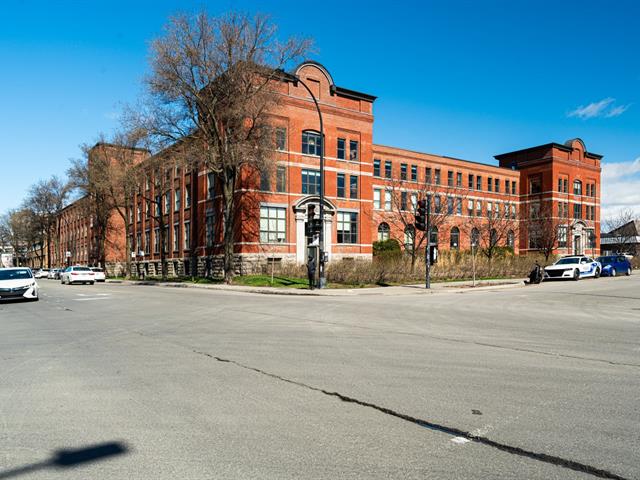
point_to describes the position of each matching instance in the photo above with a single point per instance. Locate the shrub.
(387, 248)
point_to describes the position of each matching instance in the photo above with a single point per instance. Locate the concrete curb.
(462, 287)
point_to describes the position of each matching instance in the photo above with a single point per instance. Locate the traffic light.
(421, 215)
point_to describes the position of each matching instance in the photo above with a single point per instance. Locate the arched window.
(383, 232)
(409, 236)
(475, 237)
(577, 187)
(493, 237)
(434, 236)
(311, 142)
(454, 238)
(511, 239)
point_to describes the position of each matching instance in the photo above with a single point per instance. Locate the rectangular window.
(147, 241)
(577, 211)
(354, 154)
(138, 213)
(187, 235)
(535, 184)
(414, 202)
(376, 198)
(265, 181)
(403, 171)
(577, 187)
(340, 150)
(437, 204)
(341, 193)
(187, 196)
(311, 182)
(450, 178)
(478, 208)
(478, 183)
(513, 212)
(497, 185)
(387, 169)
(353, 186)
(414, 173)
(513, 188)
(147, 211)
(450, 205)
(470, 182)
(565, 185)
(311, 143)
(403, 200)
(210, 229)
(427, 175)
(470, 209)
(281, 138)
(489, 209)
(458, 179)
(167, 202)
(591, 238)
(376, 167)
(138, 246)
(560, 185)
(387, 200)
(437, 179)
(506, 186)
(211, 185)
(281, 179)
(489, 184)
(347, 225)
(176, 237)
(273, 224)
(177, 200)
(458, 206)
(156, 240)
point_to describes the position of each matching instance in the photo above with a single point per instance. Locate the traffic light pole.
(427, 254)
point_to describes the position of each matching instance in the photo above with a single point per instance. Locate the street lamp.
(321, 276)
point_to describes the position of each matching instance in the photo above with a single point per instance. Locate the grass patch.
(265, 281)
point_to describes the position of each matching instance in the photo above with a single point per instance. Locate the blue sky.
(464, 79)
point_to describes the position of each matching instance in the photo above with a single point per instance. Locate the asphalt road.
(539, 382)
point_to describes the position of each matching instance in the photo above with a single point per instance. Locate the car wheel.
(628, 271)
(597, 273)
(90, 283)
(613, 272)
(576, 275)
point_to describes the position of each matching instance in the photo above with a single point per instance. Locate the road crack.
(449, 430)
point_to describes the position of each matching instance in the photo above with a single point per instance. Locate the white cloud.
(616, 170)
(620, 187)
(604, 108)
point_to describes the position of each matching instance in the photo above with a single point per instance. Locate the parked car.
(574, 267)
(18, 283)
(77, 274)
(41, 273)
(98, 274)
(613, 265)
(52, 273)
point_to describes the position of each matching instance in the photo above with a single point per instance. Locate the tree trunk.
(228, 187)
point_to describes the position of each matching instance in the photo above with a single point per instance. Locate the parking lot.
(531, 382)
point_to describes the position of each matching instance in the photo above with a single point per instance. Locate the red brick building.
(367, 188)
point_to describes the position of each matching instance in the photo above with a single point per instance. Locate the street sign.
(67, 254)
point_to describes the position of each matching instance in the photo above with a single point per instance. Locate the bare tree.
(18, 229)
(621, 230)
(545, 231)
(213, 88)
(494, 229)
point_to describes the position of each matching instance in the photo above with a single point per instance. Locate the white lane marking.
(88, 299)
(460, 440)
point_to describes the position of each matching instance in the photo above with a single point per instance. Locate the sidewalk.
(440, 287)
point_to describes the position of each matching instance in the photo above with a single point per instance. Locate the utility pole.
(428, 249)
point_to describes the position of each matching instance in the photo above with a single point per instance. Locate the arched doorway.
(300, 210)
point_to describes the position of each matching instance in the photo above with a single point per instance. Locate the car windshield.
(567, 261)
(19, 274)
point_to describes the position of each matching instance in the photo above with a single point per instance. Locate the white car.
(77, 274)
(18, 283)
(573, 268)
(41, 273)
(98, 274)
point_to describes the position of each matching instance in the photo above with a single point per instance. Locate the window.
(187, 235)
(470, 181)
(437, 176)
(281, 138)
(209, 229)
(454, 238)
(562, 237)
(311, 143)
(176, 237)
(148, 209)
(535, 185)
(591, 238)
(138, 213)
(458, 179)
(147, 183)
(340, 187)
(156, 240)
(458, 206)
(387, 169)
(560, 185)
(187, 196)
(376, 167)
(414, 202)
(577, 211)
(470, 209)
(353, 150)
(427, 175)
(310, 182)
(437, 203)
(167, 202)
(450, 178)
(265, 181)
(565, 185)
(347, 224)
(497, 185)
(409, 237)
(147, 241)
(506, 186)
(138, 245)
(387, 200)
(281, 179)
(450, 205)
(272, 224)
(211, 185)
(511, 239)
(376, 198)
(433, 240)
(577, 187)
(353, 186)
(383, 232)
(340, 149)
(177, 200)
(475, 237)
(513, 212)
(478, 182)
(489, 184)
(403, 171)
(489, 209)
(478, 208)
(513, 187)
(414, 173)
(403, 200)
(588, 190)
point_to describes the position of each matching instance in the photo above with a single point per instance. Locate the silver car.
(77, 274)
